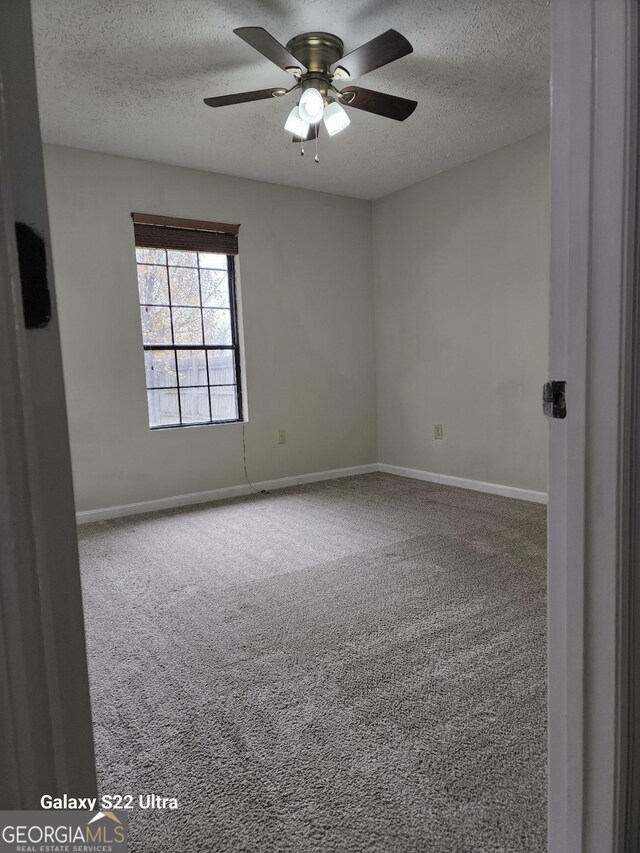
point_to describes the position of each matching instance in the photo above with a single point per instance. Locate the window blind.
(167, 232)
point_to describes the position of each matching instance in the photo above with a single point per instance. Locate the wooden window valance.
(167, 232)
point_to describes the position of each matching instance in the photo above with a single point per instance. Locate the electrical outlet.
(437, 432)
(282, 436)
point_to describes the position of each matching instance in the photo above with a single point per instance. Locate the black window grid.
(175, 348)
(181, 266)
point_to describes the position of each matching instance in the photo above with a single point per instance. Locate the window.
(189, 320)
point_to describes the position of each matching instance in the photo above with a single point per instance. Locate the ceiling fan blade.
(390, 106)
(243, 97)
(379, 51)
(264, 43)
(312, 133)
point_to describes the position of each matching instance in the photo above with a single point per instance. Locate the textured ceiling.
(128, 77)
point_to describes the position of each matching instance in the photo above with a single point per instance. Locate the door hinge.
(32, 263)
(554, 400)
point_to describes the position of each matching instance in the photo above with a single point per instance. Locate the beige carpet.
(354, 665)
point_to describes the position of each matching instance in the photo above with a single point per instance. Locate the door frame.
(593, 199)
(628, 829)
(45, 715)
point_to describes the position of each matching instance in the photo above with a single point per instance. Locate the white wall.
(308, 335)
(459, 266)
(461, 297)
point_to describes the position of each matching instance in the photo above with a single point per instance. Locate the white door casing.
(45, 720)
(592, 164)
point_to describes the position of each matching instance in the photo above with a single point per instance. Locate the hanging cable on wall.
(244, 459)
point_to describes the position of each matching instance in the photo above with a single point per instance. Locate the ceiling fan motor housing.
(316, 51)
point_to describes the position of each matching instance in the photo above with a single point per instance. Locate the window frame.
(174, 348)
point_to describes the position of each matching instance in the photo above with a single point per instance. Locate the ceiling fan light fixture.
(316, 60)
(296, 125)
(311, 105)
(335, 118)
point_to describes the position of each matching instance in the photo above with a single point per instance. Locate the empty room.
(301, 257)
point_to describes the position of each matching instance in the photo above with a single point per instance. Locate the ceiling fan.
(316, 62)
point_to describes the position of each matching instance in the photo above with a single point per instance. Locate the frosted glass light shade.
(296, 125)
(335, 118)
(311, 106)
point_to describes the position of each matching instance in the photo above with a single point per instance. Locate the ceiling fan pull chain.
(317, 159)
(302, 150)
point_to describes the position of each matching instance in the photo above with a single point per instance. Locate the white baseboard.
(87, 516)
(463, 483)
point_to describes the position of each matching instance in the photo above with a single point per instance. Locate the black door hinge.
(554, 400)
(32, 262)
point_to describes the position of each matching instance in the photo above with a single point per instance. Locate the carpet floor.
(352, 665)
